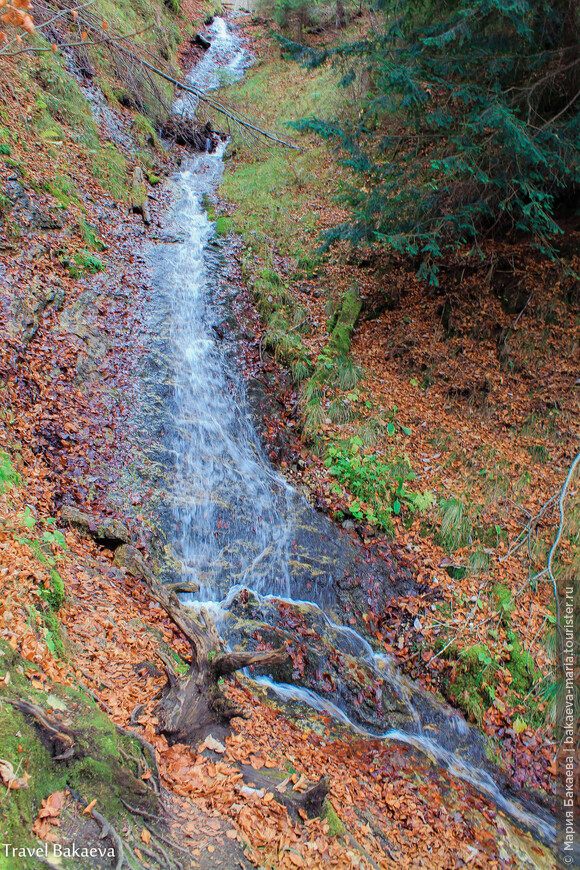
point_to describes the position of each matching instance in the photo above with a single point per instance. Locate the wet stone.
(105, 530)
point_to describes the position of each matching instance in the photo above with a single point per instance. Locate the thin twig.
(553, 549)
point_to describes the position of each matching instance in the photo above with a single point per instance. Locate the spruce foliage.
(470, 127)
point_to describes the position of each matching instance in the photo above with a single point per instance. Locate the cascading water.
(266, 563)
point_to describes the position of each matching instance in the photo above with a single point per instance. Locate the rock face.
(28, 310)
(29, 214)
(107, 531)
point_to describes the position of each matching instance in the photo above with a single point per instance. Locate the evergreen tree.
(470, 128)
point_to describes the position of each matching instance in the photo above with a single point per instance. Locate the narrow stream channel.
(269, 567)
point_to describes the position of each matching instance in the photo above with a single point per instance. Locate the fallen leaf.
(213, 744)
(9, 778)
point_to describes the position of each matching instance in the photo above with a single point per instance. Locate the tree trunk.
(193, 704)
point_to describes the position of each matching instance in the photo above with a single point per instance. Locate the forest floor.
(80, 636)
(467, 393)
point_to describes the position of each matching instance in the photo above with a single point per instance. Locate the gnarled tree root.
(193, 703)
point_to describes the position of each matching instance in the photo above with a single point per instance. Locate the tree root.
(193, 703)
(58, 734)
(133, 735)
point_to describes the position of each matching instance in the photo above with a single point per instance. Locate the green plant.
(83, 261)
(110, 168)
(9, 478)
(145, 132)
(456, 526)
(89, 236)
(379, 486)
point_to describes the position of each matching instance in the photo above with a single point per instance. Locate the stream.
(268, 566)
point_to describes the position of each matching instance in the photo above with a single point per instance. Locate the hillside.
(430, 431)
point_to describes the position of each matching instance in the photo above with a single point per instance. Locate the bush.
(471, 126)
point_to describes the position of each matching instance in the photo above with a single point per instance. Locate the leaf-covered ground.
(466, 396)
(72, 279)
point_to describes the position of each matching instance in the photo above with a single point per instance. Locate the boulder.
(107, 531)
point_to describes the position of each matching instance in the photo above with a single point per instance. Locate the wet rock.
(82, 319)
(139, 202)
(348, 525)
(133, 561)
(323, 657)
(30, 214)
(170, 237)
(107, 531)
(200, 40)
(17, 195)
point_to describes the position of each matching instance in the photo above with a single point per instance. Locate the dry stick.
(214, 104)
(169, 862)
(139, 812)
(555, 545)
(527, 529)
(172, 844)
(38, 50)
(39, 26)
(109, 831)
(155, 857)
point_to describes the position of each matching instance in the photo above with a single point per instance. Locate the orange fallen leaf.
(51, 807)
(145, 836)
(89, 807)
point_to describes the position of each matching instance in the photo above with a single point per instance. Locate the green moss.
(53, 634)
(55, 596)
(110, 168)
(144, 131)
(153, 179)
(335, 826)
(345, 323)
(222, 226)
(474, 682)
(503, 597)
(24, 751)
(521, 667)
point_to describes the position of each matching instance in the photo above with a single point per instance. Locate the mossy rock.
(521, 666)
(335, 826)
(502, 596)
(345, 322)
(474, 681)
